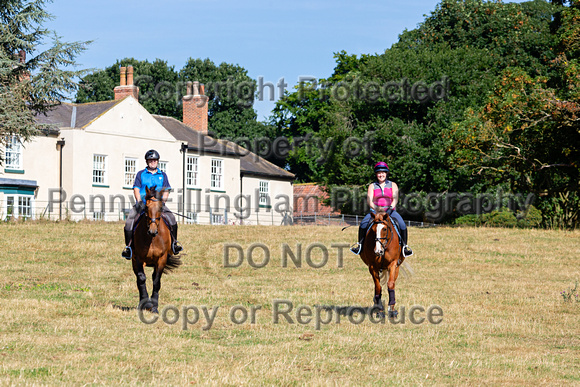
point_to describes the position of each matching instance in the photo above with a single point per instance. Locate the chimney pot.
(126, 88)
(123, 76)
(129, 75)
(195, 108)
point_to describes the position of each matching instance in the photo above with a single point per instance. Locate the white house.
(83, 166)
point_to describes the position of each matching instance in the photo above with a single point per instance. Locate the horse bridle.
(387, 238)
(153, 220)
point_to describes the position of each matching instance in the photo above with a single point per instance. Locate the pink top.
(383, 197)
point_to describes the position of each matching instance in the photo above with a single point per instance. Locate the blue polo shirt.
(145, 178)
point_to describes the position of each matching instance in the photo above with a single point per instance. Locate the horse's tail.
(173, 262)
(405, 269)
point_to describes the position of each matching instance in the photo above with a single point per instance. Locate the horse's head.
(380, 228)
(153, 202)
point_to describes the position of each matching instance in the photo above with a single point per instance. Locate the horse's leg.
(157, 284)
(378, 292)
(393, 274)
(138, 269)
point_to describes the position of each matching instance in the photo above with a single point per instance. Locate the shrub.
(469, 220)
(500, 219)
(530, 218)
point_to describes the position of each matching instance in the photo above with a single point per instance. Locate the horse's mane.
(152, 193)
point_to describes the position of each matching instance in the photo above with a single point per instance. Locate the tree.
(31, 86)
(159, 89)
(231, 98)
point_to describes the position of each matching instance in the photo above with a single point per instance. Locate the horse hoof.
(393, 313)
(154, 310)
(145, 305)
(380, 314)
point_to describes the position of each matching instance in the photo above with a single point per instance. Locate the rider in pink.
(382, 195)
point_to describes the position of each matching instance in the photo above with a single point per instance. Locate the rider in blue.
(150, 177)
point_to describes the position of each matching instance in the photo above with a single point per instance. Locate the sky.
(275, 41)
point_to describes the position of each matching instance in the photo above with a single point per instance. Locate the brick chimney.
(195, 107)
(22, 61)
(126, 87)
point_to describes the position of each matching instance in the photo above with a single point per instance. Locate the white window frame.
(162, 166)
(13, 153)
(193, 219)
(18, 205)
(130, 171)
(264, 192)
(100, 159)
(217, 219)
(192, 174)
(217, 174)
(98, 215)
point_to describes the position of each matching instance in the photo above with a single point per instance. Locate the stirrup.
(356, 248)
(129, 251)
(176, 247)
(404, 251)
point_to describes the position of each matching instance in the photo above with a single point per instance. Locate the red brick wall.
(125, 91)
(195, 112)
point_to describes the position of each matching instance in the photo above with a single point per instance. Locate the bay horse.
(382, 253)
(152, 248)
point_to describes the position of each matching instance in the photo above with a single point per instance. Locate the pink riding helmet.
(381, 166)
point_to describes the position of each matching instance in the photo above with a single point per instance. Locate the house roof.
(250, 163)
(79, 115)
(75, 115)
(195, 140)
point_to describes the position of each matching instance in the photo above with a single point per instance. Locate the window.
(192, 218)
(13, 153)
(162, 165)
(18, 206)
(98, 215)
(191, 177)
(216, 174)
(99, 169)
(264, 193)
(217, 219)
(130, 171)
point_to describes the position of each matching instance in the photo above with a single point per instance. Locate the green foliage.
(31, 86)
(498, 218)
(571, 293)
(161, 88)
(531, 218)
(231, 97)
(157, 82)
(469, 220)
(561, 211)
(512, 78)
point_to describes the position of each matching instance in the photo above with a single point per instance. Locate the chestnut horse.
(152, 248)
(383, 255)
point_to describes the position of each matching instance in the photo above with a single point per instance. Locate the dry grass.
(68, 298)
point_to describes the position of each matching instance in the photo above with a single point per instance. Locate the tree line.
(481, 97)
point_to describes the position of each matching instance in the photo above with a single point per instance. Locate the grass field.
(68, 310)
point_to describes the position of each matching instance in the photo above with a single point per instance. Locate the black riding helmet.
(151, 155)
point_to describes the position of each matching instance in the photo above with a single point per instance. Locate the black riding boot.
(175, 245)
(357, 247)
(127, 251)
(406, 249)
